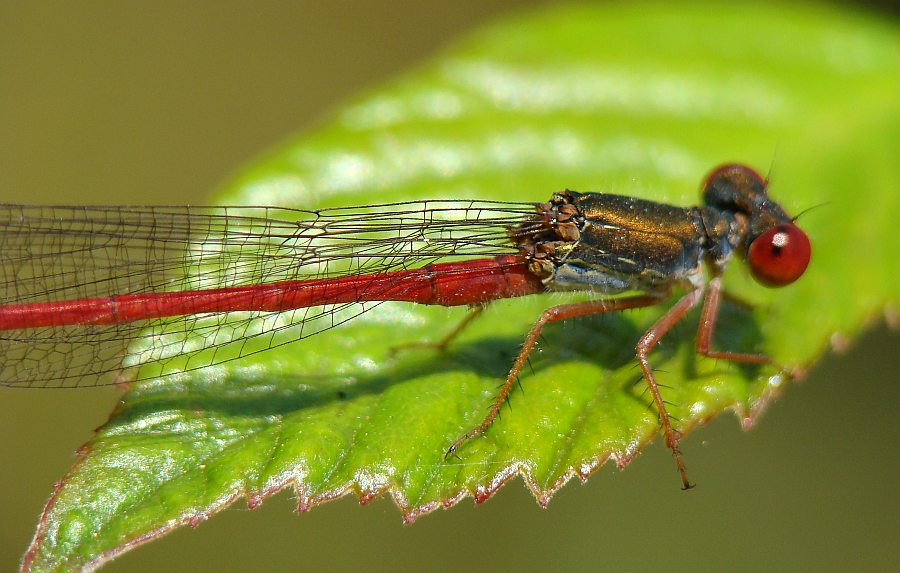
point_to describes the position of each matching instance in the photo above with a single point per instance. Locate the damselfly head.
(776, 250)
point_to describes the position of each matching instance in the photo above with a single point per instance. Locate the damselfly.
(78, 284)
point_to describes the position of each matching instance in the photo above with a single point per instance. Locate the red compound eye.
(779, 256)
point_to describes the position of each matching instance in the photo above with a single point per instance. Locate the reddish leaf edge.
(837, 342)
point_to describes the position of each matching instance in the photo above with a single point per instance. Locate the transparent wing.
(68, 253)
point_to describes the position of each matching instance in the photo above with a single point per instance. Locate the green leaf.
(623, 99)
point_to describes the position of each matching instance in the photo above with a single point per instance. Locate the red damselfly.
(78, 284)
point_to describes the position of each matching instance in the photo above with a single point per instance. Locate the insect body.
(78, 283)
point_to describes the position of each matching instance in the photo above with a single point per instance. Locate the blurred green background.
(160, 103)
